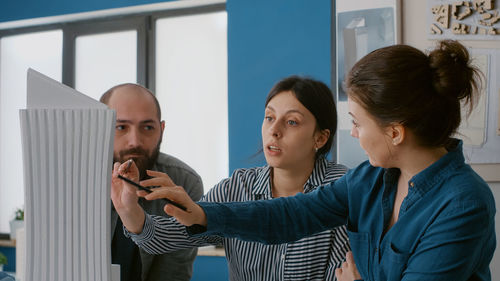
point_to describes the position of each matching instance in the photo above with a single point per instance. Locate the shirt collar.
(262, 185)
(440, 169)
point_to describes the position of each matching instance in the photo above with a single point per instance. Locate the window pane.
(41, 51)
(191, 85)
(104, 60)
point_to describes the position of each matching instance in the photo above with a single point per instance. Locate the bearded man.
(138, 135)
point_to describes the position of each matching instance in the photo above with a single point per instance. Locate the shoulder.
(249, 172)
(174, 166)
(247, 176)
(243, 185)
(464, 187)
(365, 177)
(334, 169)
(328, 171)
(365, 168)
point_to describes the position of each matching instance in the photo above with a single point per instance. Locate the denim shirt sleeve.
(279, 220)
(449, 248)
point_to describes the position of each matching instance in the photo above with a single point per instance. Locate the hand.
(194, 213)
(124, 196)
(157, 179)
(348, 271)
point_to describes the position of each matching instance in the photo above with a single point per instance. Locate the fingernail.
(128, 164)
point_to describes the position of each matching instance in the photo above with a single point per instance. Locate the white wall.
(414, 31)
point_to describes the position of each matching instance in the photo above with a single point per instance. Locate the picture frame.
(358, 32)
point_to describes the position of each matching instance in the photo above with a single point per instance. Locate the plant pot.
(14, 226)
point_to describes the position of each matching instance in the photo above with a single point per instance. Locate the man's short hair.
(107, 95)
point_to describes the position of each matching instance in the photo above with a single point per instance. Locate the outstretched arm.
(269, 221)
(194, 214)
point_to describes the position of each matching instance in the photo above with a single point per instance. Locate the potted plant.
(3, 260)
(17, 222)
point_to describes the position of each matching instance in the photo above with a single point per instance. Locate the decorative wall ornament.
(473, 19)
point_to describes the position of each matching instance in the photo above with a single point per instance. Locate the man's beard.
(144, 162)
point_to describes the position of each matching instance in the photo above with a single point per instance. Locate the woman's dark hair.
(401, 84)
(317, 98)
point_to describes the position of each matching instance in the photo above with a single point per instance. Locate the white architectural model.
(67, 141)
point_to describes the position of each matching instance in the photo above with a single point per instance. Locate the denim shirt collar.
(430, 176)
(262, 184)
(422, 182)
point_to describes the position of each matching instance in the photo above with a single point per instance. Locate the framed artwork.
(362, 26)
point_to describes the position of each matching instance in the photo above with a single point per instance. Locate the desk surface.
(211, 251)
(7, 243)
(202, 251)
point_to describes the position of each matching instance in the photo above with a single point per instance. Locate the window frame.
(142, 22)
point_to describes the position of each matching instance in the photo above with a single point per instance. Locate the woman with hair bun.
(415, 210)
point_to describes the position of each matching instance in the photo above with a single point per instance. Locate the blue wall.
(10, 254)
(210, 268)
(267, 40)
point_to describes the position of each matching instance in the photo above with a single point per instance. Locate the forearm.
(132, 218)
(163, 235)
(273, 221)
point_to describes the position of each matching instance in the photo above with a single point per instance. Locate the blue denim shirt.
(445, 229)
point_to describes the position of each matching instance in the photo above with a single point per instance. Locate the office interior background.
(210, 62)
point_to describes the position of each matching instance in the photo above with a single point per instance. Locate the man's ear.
(162, 126)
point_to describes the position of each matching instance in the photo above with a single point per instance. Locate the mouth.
(273, 148)
(134, 155)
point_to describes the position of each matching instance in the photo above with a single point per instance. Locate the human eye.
(292, 123)
(149, 128)
(120, 127)
(268, 118)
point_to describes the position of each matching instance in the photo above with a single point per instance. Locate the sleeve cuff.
(215, 221)
(147, 231)
(196, 229)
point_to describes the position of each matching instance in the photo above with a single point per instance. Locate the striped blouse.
(311, 258)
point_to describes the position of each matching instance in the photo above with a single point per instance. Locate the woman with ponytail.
(415, 210)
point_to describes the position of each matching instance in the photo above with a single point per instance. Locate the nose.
(275, 130)
(134, 138)
(354, 132)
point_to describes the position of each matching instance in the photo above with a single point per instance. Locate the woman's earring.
(316, 149)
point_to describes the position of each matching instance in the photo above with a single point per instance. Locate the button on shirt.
(445, 229)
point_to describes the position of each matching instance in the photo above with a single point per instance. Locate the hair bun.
(453, 76)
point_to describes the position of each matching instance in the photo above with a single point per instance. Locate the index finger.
(159, 178)
(160, 192)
